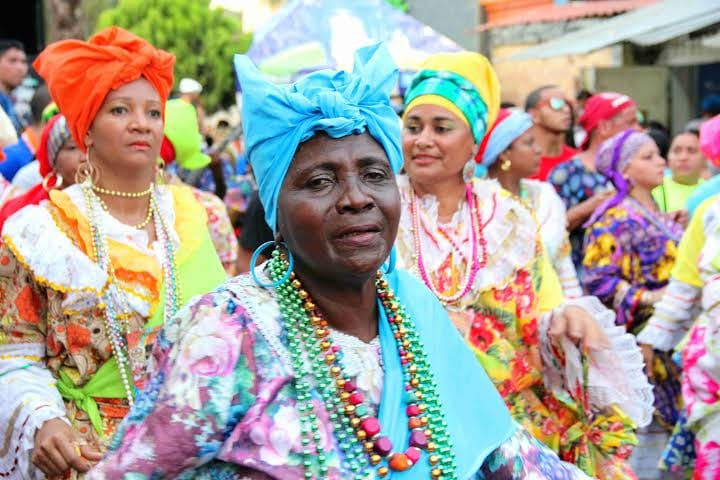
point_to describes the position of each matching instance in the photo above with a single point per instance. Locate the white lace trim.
(509, 231)
(51, 257)
(615, 375)
(29, 399)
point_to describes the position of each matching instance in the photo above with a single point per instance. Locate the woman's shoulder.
(39, 240)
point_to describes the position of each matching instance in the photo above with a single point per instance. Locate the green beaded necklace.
(357, 431)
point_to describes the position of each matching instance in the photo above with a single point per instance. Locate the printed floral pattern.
(238, 415)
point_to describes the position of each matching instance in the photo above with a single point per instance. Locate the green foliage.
(203, 40)
(399, 4)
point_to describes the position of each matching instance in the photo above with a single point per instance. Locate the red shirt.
(548, 163)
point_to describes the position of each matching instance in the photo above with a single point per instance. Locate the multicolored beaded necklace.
(114, 300)
(314, 355)
(477, 239)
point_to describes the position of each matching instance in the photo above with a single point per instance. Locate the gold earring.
(505, 165)
(56, 186)
(86, 171)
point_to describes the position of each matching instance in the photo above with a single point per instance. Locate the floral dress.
(505, 317)
(575, 184)
(691, 304)
(53, 332)
(630, 251)
(222, 402)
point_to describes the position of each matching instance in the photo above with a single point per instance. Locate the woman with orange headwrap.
(89, 276)
(481, 253)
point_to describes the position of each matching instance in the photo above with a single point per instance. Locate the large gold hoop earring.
(86, 171)
(56, 186)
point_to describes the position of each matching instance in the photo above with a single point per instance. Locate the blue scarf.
(477, 418)
(278, 118)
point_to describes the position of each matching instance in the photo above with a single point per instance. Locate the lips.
(359, 235)
(424, 159)
(140, 145)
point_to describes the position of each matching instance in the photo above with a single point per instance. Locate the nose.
(354, 198)
(139, 121)
(424, 138)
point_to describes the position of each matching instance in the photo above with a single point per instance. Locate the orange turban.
(80, 74)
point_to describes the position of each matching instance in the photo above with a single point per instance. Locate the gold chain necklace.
(116, 193)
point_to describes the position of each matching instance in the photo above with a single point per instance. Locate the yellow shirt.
(672, 196)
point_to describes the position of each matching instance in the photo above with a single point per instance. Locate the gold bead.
(355, 421)
(340, 382)
(412, 369)
(390, 295)
(433, 459)
(418, 394)
(406, 343)
(296, 284)
(303, 294)
(414, 382)
(375, 459)
(321, 332)
(436, 473)
(292, 275)
(325, 344)
(399, 318)
(335, 370)
(345, 397)
(361, 435)
(423, 421)
(330, 358)
(349, 409)
(309, 306)
(428, 433)
(315, 320)
(368, 447)
(422, 407)
(393, 308)
(382, 472)
(410, 356)
(431, 447)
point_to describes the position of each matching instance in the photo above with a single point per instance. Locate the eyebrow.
(131, 99)
(435, 119)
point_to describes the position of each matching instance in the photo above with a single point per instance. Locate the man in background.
(551, 117)
(13, 69)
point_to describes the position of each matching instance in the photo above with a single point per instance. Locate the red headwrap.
(37, 193)
(599, 107)
(80, 74)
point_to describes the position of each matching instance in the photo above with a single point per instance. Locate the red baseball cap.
(602, 106)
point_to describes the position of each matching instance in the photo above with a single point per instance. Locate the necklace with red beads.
(359, 434)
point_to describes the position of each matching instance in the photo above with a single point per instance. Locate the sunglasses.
(555, 103)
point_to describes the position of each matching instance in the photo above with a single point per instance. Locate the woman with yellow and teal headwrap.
(321, 364)
(479, 251)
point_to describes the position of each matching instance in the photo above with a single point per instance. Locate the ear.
(88, 141)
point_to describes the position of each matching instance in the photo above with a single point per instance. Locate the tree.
(203, 40)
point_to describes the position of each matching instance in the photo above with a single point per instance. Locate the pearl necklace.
(117, 193)
(358, 432)
(477, 238)
(115, 303)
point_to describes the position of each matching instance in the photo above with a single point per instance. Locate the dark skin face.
(339, 209)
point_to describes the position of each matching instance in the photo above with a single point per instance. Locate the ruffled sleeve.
(614, 377)
(680, 305)
(28, 388)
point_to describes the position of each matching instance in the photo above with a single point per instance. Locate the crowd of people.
(450, 289)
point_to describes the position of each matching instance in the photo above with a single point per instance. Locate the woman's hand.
(58, 449)
(681, 217)
(575, 323)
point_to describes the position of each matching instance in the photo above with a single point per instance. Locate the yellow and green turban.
(464, 83)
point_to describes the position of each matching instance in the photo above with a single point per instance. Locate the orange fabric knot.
(80, 74)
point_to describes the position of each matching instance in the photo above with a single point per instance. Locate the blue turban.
(278, 118)
(508, 127)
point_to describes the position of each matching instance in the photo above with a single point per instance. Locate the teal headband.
(456, 89)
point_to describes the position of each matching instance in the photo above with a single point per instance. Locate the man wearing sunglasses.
(551, 115)
(581, 187)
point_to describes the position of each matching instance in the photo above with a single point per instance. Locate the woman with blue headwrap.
(479, 250)
(323, 363)
(509, 154)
